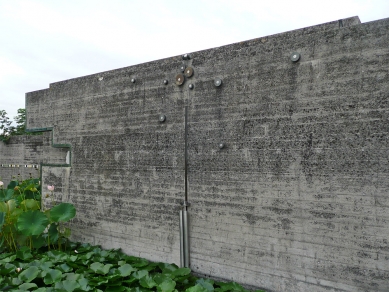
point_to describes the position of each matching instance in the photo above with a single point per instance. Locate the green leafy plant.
(23, 223)
(89, 268)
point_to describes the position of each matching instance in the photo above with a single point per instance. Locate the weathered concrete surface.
(24, 155)
(298, 198)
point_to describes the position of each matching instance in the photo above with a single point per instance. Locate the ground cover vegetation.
(36, 254)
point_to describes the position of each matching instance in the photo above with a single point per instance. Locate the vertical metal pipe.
(182, 254)
(186, 154)
(184, 232)
(186, 239)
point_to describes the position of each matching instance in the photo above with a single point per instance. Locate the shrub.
(23, 223)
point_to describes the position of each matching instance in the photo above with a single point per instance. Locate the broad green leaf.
(167, 267)
(167, 286)
(64, 268)
(73, 258)
(6, 195)
(11, 204)
(53, 233)
(30, 185)
(230, 286)
(42, 289)
(6, 269)
(8, 259)
(5, 254)
(206, 283)
(3, 207)
(27, 286)
(181, 272)
(137, 262)
(96, 266)
(97, 281)
(30, 204)
(32, 223)
(85, 247)
(97, 250)
(24, 253)
(30, 194)
(100, 268)
(15, 214)
(159, 278)
(115, 289)
(29, 274)
(2, 219)
(113, 279)
(62, 212)
(38, 241)
(72, 276)
(67, 285)
(196, 288)
(140, 274)
(67, 232)
(140, 289)
(12, 184)
(84, 284)
(147, 282)
(86, 256)
(42, 264)
(57, 256)
(16, 281)
(126, 270)
(52, 276)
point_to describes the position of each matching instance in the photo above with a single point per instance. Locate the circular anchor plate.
(294, 57)
(162, 118)
(189, 72)
(217, 82)
(180, 78)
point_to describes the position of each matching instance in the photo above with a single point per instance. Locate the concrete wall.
(297, 200)
(24, 156)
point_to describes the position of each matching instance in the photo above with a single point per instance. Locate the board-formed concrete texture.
(298, 197)
(24, 156)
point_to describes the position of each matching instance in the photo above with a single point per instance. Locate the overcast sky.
(48, 41)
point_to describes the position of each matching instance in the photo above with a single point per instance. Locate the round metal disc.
(294, 57)
(186, 57)
(188, 72)
(217, 82)
(180, 78)
(162, 118)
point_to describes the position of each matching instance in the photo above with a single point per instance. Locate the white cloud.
(9, 69)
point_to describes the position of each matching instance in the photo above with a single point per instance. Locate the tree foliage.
(5, 126)
(20, 121)
(7, 129)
